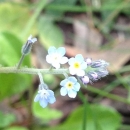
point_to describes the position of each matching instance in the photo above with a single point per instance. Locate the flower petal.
(72, 70)
(37, 98)
(63, 91)
(80, 73)
(71, 61)
(43, 103)
(84, 65)
(79, 58)
(72, 79)
(77, 87)
(49, 59)
(61, 51)
(63, 82)
(51, 93)
(51, 50)
(64, 60)
(56, 65)
(51, 99)
(72, 94)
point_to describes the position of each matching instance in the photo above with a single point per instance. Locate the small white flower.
(70, 86)
(44, 97)
(77, 65)
(56, 57)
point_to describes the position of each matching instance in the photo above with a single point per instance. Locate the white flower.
(77, 65)
(56, 57)
(70, 86)
(44, 97)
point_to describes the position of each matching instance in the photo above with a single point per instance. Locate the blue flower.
(44, 97)
(56, 57)
(77, 65)
(70, 86)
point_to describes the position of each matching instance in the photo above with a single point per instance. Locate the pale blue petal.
(72, 79)
(56, 65)
(79, 58)
(84, 65)
(49, 59)
(43, 102)
(72, 70)
(51, 93)
(64, 60)
(72, 94)
(77, 86)
(71, 61)
(61, 51)
(63, 91)
(80, 73)
(51, 50)
(37, 98)
(51, 99)
(63, 82)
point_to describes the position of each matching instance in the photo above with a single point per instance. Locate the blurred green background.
(98, 29)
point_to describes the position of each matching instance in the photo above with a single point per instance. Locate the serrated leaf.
(10, 52)
(49, 33)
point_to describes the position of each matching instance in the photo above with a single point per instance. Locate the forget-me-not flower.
(56, 57)
(70, 86)
(44, 97)
(77, 65)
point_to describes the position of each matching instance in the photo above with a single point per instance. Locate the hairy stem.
(32, 70)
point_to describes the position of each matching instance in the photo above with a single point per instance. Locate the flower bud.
(27, 47)
(85, 80)
(88, 61)
(99, 63)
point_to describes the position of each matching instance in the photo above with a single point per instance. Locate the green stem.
(108, 95)
(32, 70)
(20, 61)
(30, 100)
(84, 100)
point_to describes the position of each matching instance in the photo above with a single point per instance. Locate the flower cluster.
(86, 70)
(96, 70)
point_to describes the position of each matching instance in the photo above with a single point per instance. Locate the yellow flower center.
(76, 65)
(69, 85)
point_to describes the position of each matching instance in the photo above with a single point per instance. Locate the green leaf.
(14, 18)
(16, 128)
(45, 114)
(98, 118)
(49, 33)
(6, 119)
(10, 53)
(105, 118)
